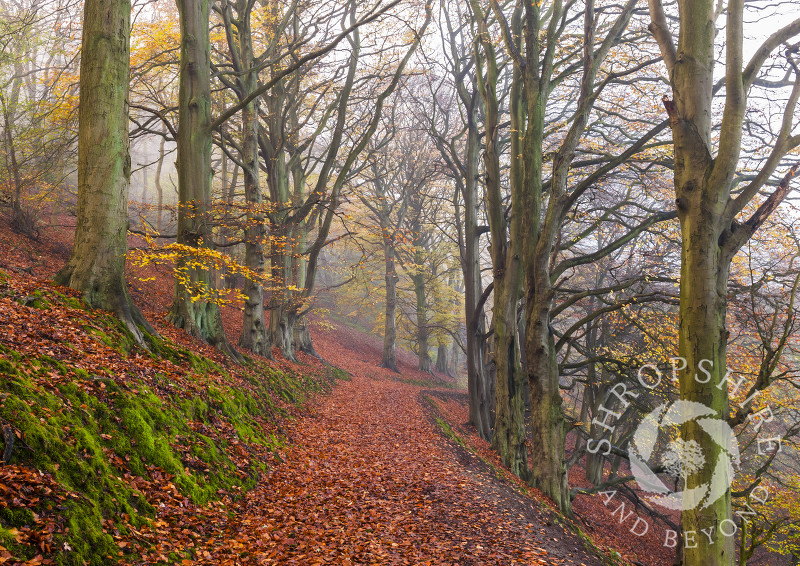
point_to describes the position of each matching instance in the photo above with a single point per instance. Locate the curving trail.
(367, 479)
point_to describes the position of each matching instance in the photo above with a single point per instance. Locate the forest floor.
(382, 470)
(369, 478)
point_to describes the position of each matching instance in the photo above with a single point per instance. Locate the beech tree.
(719, 211)
(237, 19)
(388, 201)
(565, 134)
(306, 183)
(96, 266)
(194, 307)
(198, 315)
(455, 121)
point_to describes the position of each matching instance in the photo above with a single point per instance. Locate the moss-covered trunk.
(423, 348)
(548, 472)
(255, 336)
(96, 266)
(199, 317)
(480, 407)
(509, 437)
(282, 319)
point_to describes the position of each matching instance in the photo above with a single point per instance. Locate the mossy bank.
(103, 439)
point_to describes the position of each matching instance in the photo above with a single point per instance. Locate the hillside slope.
(172, 455)
(105, 442)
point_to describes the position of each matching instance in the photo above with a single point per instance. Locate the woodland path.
(367, 479)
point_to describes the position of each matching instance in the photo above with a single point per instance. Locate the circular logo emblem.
(682, 458)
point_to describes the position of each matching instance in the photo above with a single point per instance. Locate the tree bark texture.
(200, 318)
(96, 266)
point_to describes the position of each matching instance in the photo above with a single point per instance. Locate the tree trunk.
(477, 376)
(159, 187)
(710, 236)
(702, 336)
(255, 336)
(422, 323)
(547, 420)
(96, 266)
(418, 279)
(199, 317)
(9, 117)
(454, 359)
(302, 338)
(282, 311)
(144, 204)
(389, 357)
(281, 327)
(509, 437)
(441, 358)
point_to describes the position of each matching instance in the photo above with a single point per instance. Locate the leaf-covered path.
(368, 480)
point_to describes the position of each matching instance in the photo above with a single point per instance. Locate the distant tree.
(38, 109)
(454, 123)
(387, 199)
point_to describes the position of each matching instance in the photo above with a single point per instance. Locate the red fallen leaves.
(366, 478)
(23, 487)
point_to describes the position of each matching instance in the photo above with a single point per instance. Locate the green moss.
(91, 433)
(36, 300)
(7, 368)
(16, 517)
(113, 333)
(9, 540)
(71, 302)
(206, 450)
(195, 409)
(160, 349)
(44, 362)
(448, 431)
(338, 374)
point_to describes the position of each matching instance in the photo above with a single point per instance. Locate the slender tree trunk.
(282, 312)
(199, 317)
(144, 200)
(454, 359)
(19, 220)
(509, 437)
(441, 358)
(389, 357)
(418, 279)
(255, 336)
(423, 348)
(96, 266)
(159, 186)
(477, 376)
